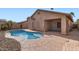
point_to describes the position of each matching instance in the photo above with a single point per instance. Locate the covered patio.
(53, 25)
(56, 25)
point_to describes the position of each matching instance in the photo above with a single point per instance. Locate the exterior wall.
(16, 26)
(64, 25)
(40, 24)
(34, 24)
(48, 16)
(24, 25)
(47, 25)
(29, 23)
(69, 24)
(40, 18)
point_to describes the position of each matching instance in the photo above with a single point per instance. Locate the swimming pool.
(26, 34)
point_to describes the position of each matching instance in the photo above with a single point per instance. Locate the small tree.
(4, 27)
(9, 24)
(72, 13)
(51, 8)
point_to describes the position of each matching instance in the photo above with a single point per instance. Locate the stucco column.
(63, 25)
(42, 26)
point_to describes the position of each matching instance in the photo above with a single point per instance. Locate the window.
(58, 24)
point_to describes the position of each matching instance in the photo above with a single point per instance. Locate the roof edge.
(67, 14)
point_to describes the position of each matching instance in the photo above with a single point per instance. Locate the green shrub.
(4, 27)
(7, 25)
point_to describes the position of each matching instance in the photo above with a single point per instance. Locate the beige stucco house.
(44, 20)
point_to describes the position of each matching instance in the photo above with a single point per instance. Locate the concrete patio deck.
(52, 41)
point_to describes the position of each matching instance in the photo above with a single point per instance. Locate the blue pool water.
(26, 34)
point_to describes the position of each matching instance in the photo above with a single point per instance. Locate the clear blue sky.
(21, 14)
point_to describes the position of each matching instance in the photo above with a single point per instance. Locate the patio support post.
(43, 26)
(63, 25)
